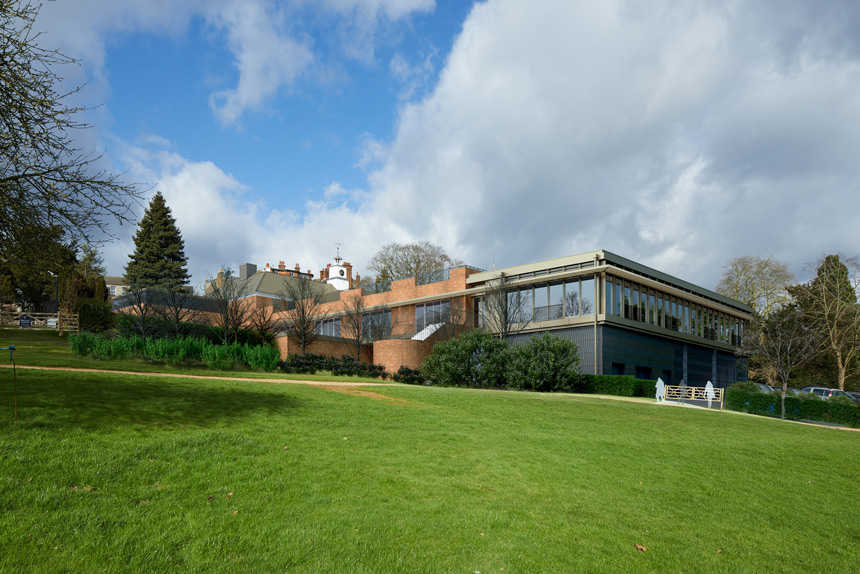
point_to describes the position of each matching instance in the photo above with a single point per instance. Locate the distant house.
(117, 286)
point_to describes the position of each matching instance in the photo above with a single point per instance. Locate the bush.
(408, 376)
(804, 407)
(95, 315)
(261, 357)
(345, 366)
(223, 357)
(617, 385)
(544, 363)
(474, 359)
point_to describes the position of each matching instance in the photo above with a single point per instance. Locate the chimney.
(280, 264)
(298, 268)
(246, 270)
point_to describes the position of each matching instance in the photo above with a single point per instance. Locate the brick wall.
(394, 353)
(326, 346)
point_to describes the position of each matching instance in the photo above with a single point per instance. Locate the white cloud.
(674, 135)
(268, 60)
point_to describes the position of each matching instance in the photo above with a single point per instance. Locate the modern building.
(625, 318)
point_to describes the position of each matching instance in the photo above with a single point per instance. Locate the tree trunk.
(840, 365)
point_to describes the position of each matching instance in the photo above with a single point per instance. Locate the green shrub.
(617, 385)
(95, 315)
(223, 357)
(261, 357)
(544, 363)
(804, 407)
(474, 359)
(408, 376)
(82, 344)
(345, 366)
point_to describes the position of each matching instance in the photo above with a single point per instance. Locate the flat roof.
(572, 262)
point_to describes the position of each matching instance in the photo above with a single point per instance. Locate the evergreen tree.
(159, 253)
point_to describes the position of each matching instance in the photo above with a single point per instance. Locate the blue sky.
(678, 135)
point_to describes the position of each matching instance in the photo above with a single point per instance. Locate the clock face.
(341, 272)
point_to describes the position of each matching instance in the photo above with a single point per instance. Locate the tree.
(354, 326)
(230, 304)
(305, 310)
(396, 261)
(503, 308)
(90, 263)
(46, 181)
(262, 320)
(159, 251)
(782, 341)
(759, 283)
(830, 307)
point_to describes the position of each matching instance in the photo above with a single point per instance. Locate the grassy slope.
(47, 349)
(110, 472)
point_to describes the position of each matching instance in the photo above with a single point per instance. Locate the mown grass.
(43, 347)
(109, 472)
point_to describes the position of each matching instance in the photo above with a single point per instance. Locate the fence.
(693, 394)
(59, 321)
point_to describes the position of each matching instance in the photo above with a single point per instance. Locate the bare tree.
(262, 320)
(177, 307)
(354, 325)
(782, 341)
(230, 304)
(305, 310)
(759, 283)
(504, 309)
(45, 180)
(137, 308)
(830, 307)
(398, 260)
(455, 321)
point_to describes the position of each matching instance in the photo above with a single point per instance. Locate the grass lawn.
(46, 348)
(109, 472)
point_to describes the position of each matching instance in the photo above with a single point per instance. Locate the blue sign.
(25, 321)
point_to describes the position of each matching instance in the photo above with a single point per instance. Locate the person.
(661, 390)
(709, 393)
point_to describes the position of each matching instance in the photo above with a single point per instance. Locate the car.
(763, 387)
(854, 395)
(789, 392)
(826, 393)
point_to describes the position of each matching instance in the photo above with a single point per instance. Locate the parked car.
(788, 391)
(763, 387)
(826, 393)
(854, 395)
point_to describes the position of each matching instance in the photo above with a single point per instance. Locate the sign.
(25, 321)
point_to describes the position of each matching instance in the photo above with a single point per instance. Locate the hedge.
(618, 385)
(309, 364)
(796, 408)
(176, 351)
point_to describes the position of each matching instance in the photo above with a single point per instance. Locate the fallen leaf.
(492, 489)
(640, 547)
(235, 512)
(719, 550)
(229, 495)
(211, 497)
(159, 486)
(286, 448)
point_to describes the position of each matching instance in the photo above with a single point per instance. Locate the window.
(328, 327)
(376, 325)
(609, 291)
(586, 306)
(113, 289)
(571, 298)
(432, 313)
(541, 295)
(619, 299)
(617, 368)
(667, 377)
(556, 300)
(643, 372)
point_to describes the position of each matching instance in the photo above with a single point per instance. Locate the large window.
(328, 327)
(556, 300)
(376, 325)
(586, 306)
(432, 313)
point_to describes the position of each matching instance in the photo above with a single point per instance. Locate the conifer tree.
(159, 254)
